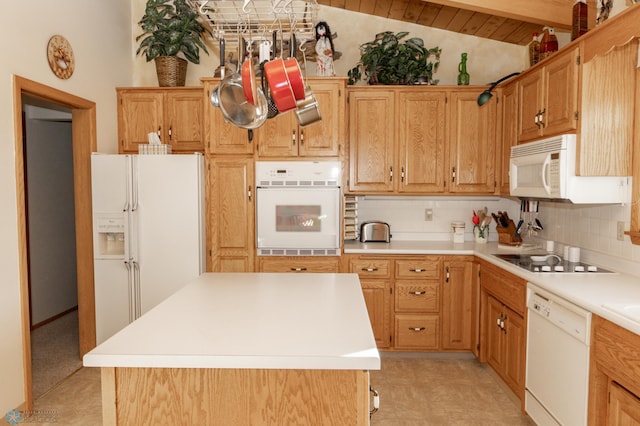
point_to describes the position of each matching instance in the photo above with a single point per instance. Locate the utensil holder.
(507, 235)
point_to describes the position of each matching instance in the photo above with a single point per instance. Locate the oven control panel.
(297, 173)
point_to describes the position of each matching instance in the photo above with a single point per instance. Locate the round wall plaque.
(60, 56)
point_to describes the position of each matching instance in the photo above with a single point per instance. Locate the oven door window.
(298, 218)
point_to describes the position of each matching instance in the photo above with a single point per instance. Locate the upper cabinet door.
(184, 120)
(371, 140)
(323, 139)
(140, 112)
(221, 136)
(421, 144)
(282, 136)
(561, 91)
(530, 89)
(508, 134)
(472, 144)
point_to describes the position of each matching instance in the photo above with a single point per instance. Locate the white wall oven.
(298, 208)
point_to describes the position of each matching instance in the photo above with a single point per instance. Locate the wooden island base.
(198, 396)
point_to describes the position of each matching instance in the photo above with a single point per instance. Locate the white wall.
(100, 35)
(488, 60)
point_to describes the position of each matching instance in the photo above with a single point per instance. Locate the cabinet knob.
(417, 293)
(293, 137)
(417, 329)
(369, 269)
(299, 269)
(418, 270)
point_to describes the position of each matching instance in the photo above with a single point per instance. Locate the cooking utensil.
(215, 97)
(249, 78)
(307, 111)
(293, 71)
(234, 105)
(279, 84)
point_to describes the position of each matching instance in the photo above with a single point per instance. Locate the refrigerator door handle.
(136, 289)
(130, 287)
(134, 185)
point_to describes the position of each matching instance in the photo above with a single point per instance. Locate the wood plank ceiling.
(515, 30)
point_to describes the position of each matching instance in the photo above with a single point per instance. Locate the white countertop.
(595, 292)
(250, 320)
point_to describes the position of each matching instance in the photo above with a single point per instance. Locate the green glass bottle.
(463, 76)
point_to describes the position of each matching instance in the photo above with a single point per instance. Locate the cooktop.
(549, 263)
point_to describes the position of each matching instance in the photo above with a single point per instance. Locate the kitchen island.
(244, 348)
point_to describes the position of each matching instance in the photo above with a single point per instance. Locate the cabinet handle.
(249, 192)
(541, 121)
(376, 400)
(417, 293)
(391, 174)
(536, 119)
(301, 137)
(453, 174)
(447, 275)
(402, 174)
(293, 137)
(369, 269)
(170, 131)
(159, 132)
(498, 322)
(298, 269)
(417, 329)
(417, 270)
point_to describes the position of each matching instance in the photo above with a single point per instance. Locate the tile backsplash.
(591, 227)
(406, 215)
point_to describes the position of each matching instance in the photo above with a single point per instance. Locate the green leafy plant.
(170, 27)
(388, 60)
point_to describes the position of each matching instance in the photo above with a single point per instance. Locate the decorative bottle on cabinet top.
(534, 50)
(580, 24)
(463, 76)
(549, 43)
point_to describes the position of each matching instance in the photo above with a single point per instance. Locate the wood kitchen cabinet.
(460, 304)
(421, 141)
(330, 264)
(375, 274)
(614, 375)
(282, 136)
(472, 143)
(507, 133)
(417, 303)
(175, 114)
(548, 97)
(231, 214)
(503, 326)
(397, 140)
(222, 137)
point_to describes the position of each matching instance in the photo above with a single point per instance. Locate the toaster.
(375, 232)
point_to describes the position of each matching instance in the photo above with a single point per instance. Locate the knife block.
(507, 235)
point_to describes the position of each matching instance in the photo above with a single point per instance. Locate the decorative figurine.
(463, 76)
(324, 50)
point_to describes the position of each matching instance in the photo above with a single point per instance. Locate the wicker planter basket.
(171, 70)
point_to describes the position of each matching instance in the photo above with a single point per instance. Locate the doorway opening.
(81, 142)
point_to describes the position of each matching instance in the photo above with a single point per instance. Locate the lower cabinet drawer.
(414, 331)
(418, 296)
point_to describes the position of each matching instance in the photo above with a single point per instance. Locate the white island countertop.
(250, 320)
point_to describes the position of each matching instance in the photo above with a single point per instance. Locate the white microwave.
(545, 169)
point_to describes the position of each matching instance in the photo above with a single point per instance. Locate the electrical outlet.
(620, 231)
(428, 215)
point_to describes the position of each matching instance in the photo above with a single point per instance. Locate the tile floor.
(415, 389)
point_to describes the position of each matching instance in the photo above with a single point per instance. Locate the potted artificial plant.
(172, 35)
(388, 60)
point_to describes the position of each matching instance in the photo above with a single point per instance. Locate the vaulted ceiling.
(510, 21)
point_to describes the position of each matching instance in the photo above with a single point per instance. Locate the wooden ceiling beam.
(556, 13)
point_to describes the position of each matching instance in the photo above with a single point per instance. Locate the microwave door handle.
(545, 175)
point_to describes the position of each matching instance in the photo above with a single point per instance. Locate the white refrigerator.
(149, 235)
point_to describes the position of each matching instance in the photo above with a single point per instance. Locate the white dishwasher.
(557, 379)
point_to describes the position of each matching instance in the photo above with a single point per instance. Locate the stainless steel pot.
(233, 102)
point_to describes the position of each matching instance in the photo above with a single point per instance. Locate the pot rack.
(257, 19)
